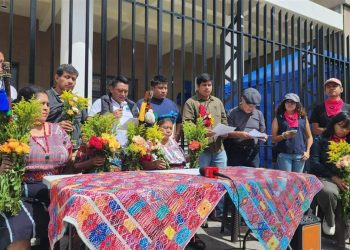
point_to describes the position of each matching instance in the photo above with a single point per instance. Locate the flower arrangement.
(195, 136)
(208, 119)
(142, 145)
(98, 135)
(339, 155)
(14, 137)
(73, 104)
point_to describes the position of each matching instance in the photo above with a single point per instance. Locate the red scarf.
(337, 138)
(292, 119)
(333, 107)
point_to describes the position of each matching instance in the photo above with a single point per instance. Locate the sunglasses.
(290, 101)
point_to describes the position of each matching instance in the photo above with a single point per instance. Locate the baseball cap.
(334, 80)
(251, 96)
(292, 96)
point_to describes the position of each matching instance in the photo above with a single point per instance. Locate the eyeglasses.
(290, 101)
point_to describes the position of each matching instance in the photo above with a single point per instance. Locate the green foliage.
(134, 130)
(154, 134)
(339, 155)
(97, 125)
(195, 131)
(196, 138)
(337, 150)
(10, 186)
(25, 113)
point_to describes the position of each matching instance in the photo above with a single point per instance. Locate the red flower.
(96, 142)
(207, 122)
(202, 110)
(147, 157)
(194, 145)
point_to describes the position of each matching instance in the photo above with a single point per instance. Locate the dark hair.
(158, 79)
(69, 68)
(341, 117)
(28, 92)
(117, 79)
(204, 77)
(282, 108)
(163, 120)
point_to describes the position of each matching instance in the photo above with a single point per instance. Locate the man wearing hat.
(322, 113)
(241, 148)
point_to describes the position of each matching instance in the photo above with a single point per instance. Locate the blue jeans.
(218, 159)
(290, 162)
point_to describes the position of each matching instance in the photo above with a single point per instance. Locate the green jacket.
(217, 110)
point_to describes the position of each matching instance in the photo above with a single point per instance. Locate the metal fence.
(240, 43)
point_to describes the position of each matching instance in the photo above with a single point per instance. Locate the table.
(271, 202)
(132, 210)
(149, 210)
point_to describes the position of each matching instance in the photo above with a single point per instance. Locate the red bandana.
(292, 119)
(333, 107)
(337, 138)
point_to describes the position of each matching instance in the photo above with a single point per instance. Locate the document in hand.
(125, 125)
(256, 134)
(222, 129)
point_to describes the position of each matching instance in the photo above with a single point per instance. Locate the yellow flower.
(70, 112)
(13, 144)
(26, 148)
(5, 149)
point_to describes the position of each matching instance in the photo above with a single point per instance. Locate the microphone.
(209, 171)
(212, 172)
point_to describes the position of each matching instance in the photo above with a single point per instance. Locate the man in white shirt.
(116, 102)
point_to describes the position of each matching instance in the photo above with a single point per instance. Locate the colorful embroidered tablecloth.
(132, 210)
(271, 202)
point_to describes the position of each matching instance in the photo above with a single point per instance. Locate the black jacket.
(319, 164)
(106, 105)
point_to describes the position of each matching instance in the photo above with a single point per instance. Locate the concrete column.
(78, 41)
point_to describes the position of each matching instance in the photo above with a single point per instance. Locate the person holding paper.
(243, 148)
(214, 154)
(291, 131)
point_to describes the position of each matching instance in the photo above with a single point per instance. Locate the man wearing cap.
(241, 148)
(162, 106)
(292, 135)
(322, 113)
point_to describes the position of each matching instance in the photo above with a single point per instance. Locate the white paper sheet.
(125, 125)
(222, 129)
(256, 134)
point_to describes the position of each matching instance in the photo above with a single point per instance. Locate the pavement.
(215, 240)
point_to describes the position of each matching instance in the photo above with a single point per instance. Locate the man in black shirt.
(322, 113)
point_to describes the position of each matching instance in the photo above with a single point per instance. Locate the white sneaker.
(327, 229)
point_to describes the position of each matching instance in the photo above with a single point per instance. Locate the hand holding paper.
(222, 129)
(256, 134)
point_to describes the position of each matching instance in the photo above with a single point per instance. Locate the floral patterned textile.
(272, 202)
(148, 210)
(132, 210)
